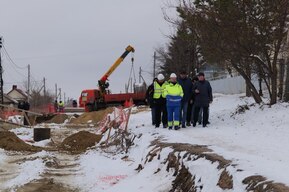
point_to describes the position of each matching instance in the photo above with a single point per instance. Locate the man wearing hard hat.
(159, 100)
(173, 94)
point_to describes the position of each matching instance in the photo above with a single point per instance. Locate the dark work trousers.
(189, 112)
(183, 113)
(201, 115)
(205, 114)
(161, 112)
(153, 109)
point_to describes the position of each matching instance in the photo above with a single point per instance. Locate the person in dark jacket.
(55, 106)
(187, 85)
(191, 106)
(203, 97)
(159, 100)
(150, 101)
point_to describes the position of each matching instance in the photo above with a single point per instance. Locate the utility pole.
(44, 90)
(155, 57)
(1, 75)
(64, 98)
(59, 94)
(28, 86)
(139, 75)
(44, 87)
(56, 91)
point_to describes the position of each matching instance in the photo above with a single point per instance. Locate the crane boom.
(102, 82)
(97, 98)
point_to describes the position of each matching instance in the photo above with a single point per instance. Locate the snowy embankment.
(250, 142)
(240, 142)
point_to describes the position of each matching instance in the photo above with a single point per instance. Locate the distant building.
(213, 71)
(17, 94)
(10, 101)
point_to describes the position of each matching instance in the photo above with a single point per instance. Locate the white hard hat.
(173, 75)
(161, 77)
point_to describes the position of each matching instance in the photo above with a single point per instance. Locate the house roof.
(19, 91)
(10, 99)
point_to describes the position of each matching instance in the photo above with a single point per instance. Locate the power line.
(10, 59)
(13, 66)
(1, 73)
(17, 66)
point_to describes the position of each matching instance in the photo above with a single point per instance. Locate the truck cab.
(91, 99)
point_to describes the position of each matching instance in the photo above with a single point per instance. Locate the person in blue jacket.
(173, 93)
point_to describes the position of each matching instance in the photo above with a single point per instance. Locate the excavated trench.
(185, 180)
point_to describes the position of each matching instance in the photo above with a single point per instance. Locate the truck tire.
(89, 107)
(95, 106)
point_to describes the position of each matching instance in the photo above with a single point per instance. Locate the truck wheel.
(95, 106)
(89, 107)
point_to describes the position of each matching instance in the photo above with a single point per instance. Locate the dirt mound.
(44, 185)
(58, 119)
(9, 141)
(80, 141)
(92, 117)
(42, 119)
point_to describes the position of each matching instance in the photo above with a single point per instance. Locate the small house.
(17, 94)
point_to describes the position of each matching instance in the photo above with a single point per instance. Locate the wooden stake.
(127, 119)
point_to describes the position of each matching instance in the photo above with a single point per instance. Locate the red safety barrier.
(5, 114)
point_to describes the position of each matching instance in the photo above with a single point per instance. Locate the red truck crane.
(94, 99)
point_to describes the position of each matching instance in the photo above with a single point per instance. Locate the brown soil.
(79, 142)
(259, 183)
(45, 185)
(225, 180)
(184, 181)
(43, 118)
(94, 116)
(9, 141)
(58, 119)
(7, 126)
(201, 151)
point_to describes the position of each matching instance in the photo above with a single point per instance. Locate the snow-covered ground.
(256, 142)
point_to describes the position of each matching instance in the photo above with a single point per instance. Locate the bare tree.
(246, 34)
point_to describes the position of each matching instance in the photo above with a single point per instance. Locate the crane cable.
(132, 72)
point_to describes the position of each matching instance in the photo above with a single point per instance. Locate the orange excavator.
(95, 99)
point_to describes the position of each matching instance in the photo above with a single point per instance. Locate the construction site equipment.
(94, 99)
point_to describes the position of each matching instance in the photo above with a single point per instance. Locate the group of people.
(180, 101)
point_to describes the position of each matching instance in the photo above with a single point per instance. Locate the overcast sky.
(74, 42)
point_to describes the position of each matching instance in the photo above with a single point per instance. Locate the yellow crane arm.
(102, 82)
